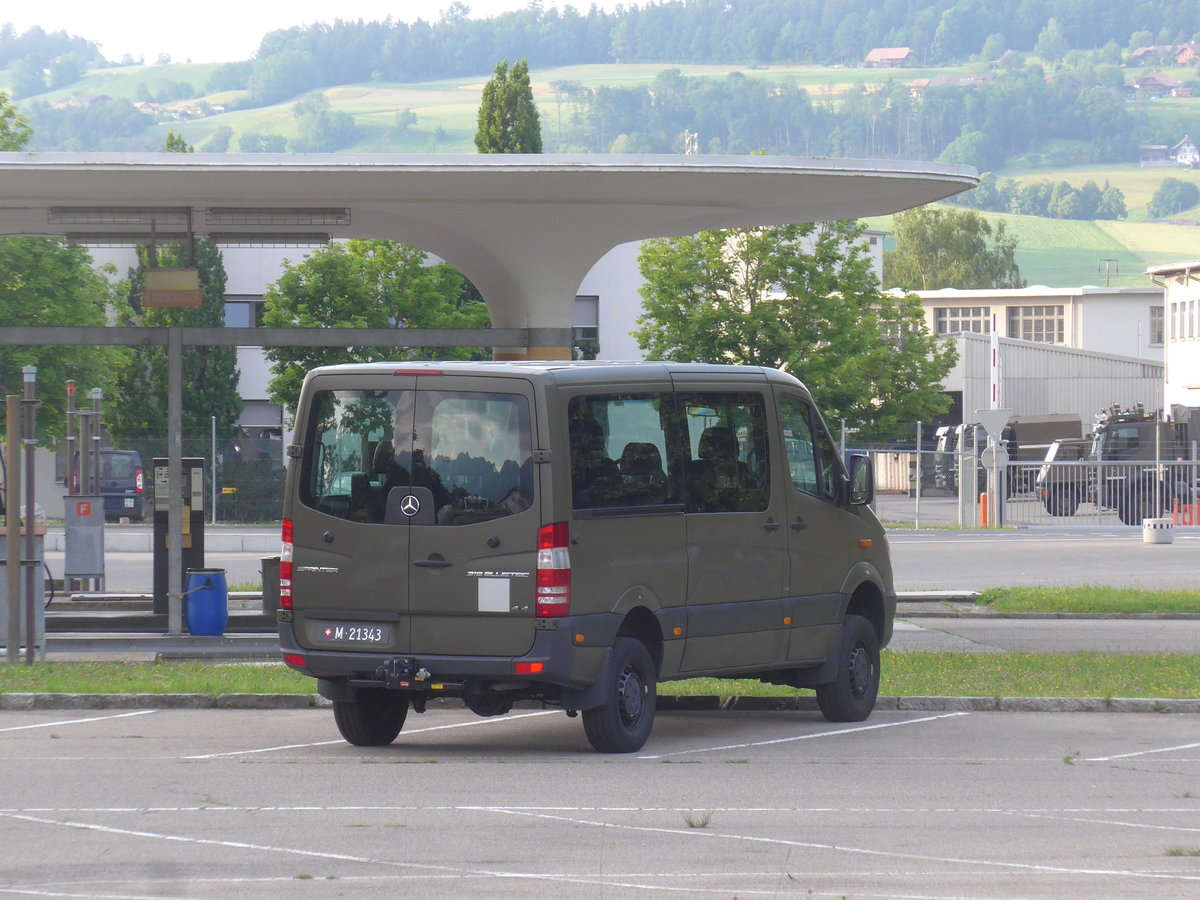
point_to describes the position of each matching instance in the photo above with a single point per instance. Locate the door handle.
(433, 563)
(798, 525)
(770, 525)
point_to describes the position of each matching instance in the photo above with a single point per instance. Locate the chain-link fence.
(243, 476)
(1023, 493)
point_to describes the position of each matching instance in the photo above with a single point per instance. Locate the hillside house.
(1188, 54)
(1153, 155)
(1153, 55)
(889, 58)
(1186, 153)
(1152, 86)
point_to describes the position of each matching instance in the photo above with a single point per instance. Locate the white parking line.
(806, 737)
(1141, 753)
(140, 712)
(488, 721)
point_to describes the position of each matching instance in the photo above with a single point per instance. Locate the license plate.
(346, 633)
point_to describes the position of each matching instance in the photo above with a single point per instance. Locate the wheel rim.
(861, 670)
(630, 695)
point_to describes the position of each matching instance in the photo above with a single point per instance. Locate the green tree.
(47, 282)
(210, 374)
(14, 127)
(508, 117)
(940, 247)
(1172, 197)
(366, 284)
(175, 143)
(801, 298)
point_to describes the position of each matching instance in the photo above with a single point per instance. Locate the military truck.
(1026, 438)
(1133, 462)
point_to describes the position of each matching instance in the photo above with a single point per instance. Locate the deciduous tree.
(366, 284)
(940, 247)
(801, 298)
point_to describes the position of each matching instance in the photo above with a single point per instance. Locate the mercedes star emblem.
(410, 506)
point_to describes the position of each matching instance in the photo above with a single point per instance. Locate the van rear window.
(470, 451)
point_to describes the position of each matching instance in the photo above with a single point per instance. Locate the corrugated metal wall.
(1038, 379)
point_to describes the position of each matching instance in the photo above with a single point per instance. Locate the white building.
(1125, 322)
(1181, 283)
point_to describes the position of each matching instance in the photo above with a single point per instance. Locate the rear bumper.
(564, 662)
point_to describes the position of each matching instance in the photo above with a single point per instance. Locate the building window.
(243, 312)
(1156, 326)
(953, 319)
(586, 324)
(1043, 324)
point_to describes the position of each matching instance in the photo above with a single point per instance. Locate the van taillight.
(553, 570)
(139, 482)
(285, 567)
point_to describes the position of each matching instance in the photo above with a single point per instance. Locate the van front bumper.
(554, 659)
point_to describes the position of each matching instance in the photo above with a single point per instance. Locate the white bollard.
(1158, 531)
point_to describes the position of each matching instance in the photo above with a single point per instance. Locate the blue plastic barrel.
(206, 601)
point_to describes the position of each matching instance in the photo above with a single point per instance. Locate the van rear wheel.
(372, 719)
(623, 723)
(851, 696)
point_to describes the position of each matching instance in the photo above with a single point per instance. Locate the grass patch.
(909, 674)
(153, 678)
(917, 674)
(1089, 600)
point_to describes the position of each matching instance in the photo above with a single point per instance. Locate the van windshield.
(469, 450)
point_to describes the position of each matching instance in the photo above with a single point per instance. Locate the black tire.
(1060, 501)
(623, 724)
(851, 696)
(372, 719)
(1138, 500)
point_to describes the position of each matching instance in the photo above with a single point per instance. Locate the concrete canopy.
(524, 229)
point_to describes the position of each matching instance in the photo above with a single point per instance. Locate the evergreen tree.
(508, 118)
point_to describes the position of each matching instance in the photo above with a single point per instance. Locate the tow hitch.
(401, 672)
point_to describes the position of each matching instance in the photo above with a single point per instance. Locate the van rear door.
(350, 565)
(473, 563)
(416, 528)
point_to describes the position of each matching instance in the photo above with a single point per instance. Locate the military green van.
(573, 533)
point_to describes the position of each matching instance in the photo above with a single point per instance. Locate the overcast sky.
(221, 30)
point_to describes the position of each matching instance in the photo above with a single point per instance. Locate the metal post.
(214, 470)
(72, 481)
(920, 462)
(30, 405)
(175, 477)
(12, 520)
(97, 436)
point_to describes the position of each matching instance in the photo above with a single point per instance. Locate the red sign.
(83, 508)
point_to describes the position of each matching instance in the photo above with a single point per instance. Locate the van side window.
(619, 453)
(812, 459)
(727, 464)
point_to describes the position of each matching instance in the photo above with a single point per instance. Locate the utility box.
(192, 549)
(84, 528)
(39, 588)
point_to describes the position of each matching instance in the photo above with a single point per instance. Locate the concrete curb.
(32, 701)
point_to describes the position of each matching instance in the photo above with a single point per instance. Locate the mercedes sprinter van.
(573, 533)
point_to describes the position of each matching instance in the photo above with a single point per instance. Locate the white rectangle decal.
(493, 595)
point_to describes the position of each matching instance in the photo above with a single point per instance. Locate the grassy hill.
(1050, 252)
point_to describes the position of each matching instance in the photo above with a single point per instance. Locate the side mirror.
(862, 480)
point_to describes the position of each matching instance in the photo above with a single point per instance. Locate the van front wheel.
(622, 724)
(372, 719)
(850, 697)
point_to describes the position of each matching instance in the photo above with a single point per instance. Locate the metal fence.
(243, 477)
(1022, 493)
